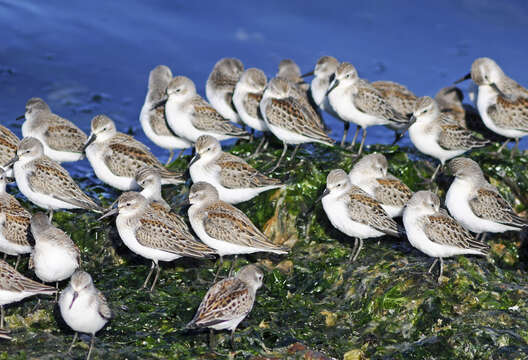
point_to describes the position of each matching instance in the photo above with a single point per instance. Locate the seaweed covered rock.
(315, 304)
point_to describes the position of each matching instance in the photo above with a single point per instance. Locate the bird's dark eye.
(178, 90)
(347, 76)
(209, 148)
(128, 204)
(425, 111)
(338, 185)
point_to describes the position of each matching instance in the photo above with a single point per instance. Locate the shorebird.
(61, 139)
(117, 157)
(228, 302)
(84, 308)
(224, 227)
(439, 136)
(476, 204)
(234, 179)
(153, 121)
(353, 212)
(433, 232)
(154, 234)
(15, 287)
(290, 119)
(190, 116)
(502, 102)
(45, 182)
(247, 97)
(220, 87)
(372, 176)
(356, 100)
(14, 223)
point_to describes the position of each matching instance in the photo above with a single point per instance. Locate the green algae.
(314, 303)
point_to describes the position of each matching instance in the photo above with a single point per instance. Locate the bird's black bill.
(325, 192)
(20, 117)
(332, 86)
(194, 159)
(159, 103)
(466, 77)
(307, 74)
(109, 213)
(90, 140)
(75, 296)
(11, 162)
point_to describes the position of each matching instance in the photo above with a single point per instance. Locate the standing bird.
(153, 120)
(433, 232)
(8, 147)
(323, 73)
(84, 308)
(371, 175)
(117, 157)
(154, 234)
(353, 212)
(224, 227)
(44, 182)
(356, 100)
(15, 287)
(228, 302)
(290, 119)
(247, 97)
(439, 136)
(476, 204)
(55, 257)
(190, 116)
(234, 179)
(14, 224)
(220, 87)
(61, 139)
(502, 103)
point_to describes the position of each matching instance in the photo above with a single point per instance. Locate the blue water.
(92, 57)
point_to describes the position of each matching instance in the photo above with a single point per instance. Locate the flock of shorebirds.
(362, 204)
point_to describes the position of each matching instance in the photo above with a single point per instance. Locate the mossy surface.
(315, 304)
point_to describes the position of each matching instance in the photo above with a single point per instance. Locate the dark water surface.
(92, 57)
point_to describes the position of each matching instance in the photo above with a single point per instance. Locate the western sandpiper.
(353, 212)
(149, 180)
(290, 119)
(371, 175)
(229, 301)
(45, 182)
(62, 140)
(234, 179)
(14, 223)
(221, 85)
(84, 308)
(439, 136)
(153, 120)
(14, 287)
(502, 103)
(224, 227)
(247, 97)
(154, 234)
(55, 257)
(355, 100)
(477, 204)
(117, 157)
(433, 232)
(190, 116)
(8, 146)
(290, 71)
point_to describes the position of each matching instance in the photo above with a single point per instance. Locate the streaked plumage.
(117, 157)
(353, 212)
(234, 179)
(190, 116)
(371, 175)
(8, 146)
(229, 301)
(14, 223)
(15, 287)
(62, 140)
(433, 232)
(83, 307)
(153, 120)
(55, 257)
(477, 204)
(45, 182)
(153, 233)
(220, 87)
(224, 227)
